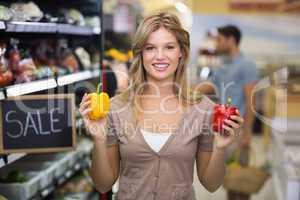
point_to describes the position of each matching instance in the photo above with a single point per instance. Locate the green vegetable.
(15, 176)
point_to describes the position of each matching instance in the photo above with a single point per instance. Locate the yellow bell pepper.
(117, 55)
(99, 105)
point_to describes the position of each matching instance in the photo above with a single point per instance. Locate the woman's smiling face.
(161, 55)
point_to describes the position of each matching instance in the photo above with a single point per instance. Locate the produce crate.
(25, 190)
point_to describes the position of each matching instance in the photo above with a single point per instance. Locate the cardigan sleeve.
(206, 138)
(111, 131)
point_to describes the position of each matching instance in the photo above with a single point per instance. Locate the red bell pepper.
(220, 114)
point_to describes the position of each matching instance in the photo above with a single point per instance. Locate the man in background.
(236, 78)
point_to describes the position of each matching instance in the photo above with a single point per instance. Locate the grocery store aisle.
(267, 192)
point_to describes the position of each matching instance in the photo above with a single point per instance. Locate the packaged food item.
(26, 12)
(5, 13)
(6, 75)
(93, 22)
(71, 16)
(14, 56)
(43, 55)
(28, 71)
(84, 57)
(76, 16)
(65, 57)
(6, 78)
(70, 62)
(79, 183)
(44, 72)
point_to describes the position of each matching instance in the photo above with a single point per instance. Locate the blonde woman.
(158, 129)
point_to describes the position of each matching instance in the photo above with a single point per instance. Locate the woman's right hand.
(96, 128)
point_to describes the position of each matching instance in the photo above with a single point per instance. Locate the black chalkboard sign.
(37, 123)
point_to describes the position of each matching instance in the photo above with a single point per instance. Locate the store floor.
(266, 193)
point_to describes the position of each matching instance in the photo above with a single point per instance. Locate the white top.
(155, 140)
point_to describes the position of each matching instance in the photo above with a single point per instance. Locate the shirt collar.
(229, 60)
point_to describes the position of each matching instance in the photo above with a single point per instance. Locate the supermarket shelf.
(2, 96)
(85, 146)
(72, 78)
(289, 190)
(79, 123)
(96, 30)
(46, 84)
(48, 171)
(30, 27)
(96, 73)
(30, 87)
(277, 186)
(74, 30)
(285, 159)
(83, 196)
(11, 158)
(48, 28)
(2, 25)
(286, 130)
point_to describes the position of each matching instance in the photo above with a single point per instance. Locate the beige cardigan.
(168, 174)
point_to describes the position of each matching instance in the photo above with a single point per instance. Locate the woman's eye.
(170, 47)
(149, 48)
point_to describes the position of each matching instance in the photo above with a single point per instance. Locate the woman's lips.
(160, 66)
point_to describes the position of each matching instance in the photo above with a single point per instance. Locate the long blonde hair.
(137, 71)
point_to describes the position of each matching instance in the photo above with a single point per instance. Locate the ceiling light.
(181, 7)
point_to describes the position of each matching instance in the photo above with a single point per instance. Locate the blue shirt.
(231, 77)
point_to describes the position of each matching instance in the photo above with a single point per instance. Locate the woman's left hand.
(232, 129)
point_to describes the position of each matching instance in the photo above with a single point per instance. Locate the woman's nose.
(160, 54)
